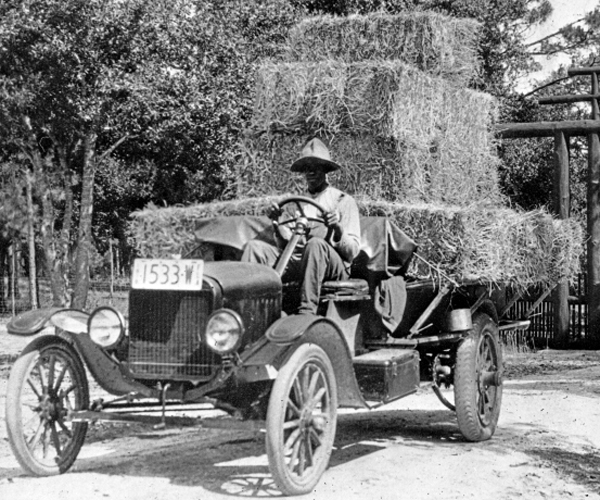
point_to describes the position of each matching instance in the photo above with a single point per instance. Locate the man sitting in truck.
(328, 250)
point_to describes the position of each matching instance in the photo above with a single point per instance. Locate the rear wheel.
(478, 380)
(301, 420)
(45, 385)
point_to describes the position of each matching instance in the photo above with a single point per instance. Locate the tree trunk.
(84, 240)
(63, 256)
(33, 296)
(53, 268)
(53, 264)
(4, 272)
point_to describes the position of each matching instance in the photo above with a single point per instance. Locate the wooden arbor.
(562, 131)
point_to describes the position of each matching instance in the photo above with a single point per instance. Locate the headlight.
(106, 327)
(224, 331)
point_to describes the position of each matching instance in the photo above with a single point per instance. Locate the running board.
(156, 420)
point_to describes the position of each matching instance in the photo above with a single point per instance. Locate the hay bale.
(493, 245)
(434, 43)
(385, 98)
(375, 167)
(162, 232)
(498, 245)
(401, 135)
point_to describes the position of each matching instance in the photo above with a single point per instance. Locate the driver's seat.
(354, 288)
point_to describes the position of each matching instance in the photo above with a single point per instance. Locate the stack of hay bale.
(389, 95)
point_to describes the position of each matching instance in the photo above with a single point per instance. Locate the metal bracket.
(163, 398)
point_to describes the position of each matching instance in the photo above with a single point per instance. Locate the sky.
(565, 12)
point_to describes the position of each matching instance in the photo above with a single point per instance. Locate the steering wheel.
(298, 230)
(298, 200)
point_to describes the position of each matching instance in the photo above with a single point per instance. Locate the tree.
(81, 80)
(571, 38)
(15, 222)
(527, 169)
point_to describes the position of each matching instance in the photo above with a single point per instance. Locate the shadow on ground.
(233, 462)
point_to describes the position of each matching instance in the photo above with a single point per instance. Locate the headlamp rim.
(121, 319)
(238, 320)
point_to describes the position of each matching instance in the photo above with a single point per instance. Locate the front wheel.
(478, 381)
(44, 386)
(301, 420)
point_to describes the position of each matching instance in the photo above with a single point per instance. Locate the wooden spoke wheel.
(301, 420)
(478, 381)
(44, 386)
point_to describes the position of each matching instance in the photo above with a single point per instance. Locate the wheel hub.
(305, 418)
(51, 407)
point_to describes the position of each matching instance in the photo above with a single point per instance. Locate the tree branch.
(556, 51)
(110, 150)
(556, 33)
(537, 89)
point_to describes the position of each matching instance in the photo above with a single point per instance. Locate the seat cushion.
(346, 287)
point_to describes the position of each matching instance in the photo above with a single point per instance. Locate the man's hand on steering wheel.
(274, 211)
(332, 220)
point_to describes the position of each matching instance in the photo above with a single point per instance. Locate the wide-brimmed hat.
(315, 153)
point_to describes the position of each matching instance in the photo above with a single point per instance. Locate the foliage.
(349, 7)
(571, 39)
(12, 204)
(167, 83)
(503, 53)
(527, 168)
(190, 130)
(528, 165)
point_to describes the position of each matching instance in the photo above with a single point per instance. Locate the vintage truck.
(213, 329)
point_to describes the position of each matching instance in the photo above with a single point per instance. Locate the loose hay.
(493, 245)
(434, 43)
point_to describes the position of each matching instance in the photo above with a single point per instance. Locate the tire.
(301, 420)
(478, 381)
(44, 386)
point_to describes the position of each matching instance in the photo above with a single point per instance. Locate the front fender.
(290, 332)
(43, 341)
(33, 322)
(111, 375)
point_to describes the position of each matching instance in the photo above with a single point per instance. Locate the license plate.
(167, 274)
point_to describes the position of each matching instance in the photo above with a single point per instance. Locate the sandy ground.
(547, 446)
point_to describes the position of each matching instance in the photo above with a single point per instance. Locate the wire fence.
(15, 299)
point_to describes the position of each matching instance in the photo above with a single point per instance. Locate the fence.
(541, 331)
(102, 292)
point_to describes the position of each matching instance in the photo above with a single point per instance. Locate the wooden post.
(562, 208)
(593, 227)
(595, 110)
(593, 245)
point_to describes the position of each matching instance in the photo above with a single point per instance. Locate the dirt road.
(547, 447)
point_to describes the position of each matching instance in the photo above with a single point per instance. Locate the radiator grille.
(163, 329)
